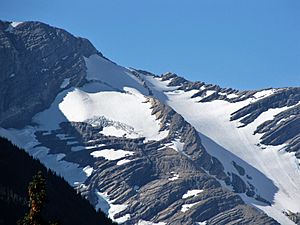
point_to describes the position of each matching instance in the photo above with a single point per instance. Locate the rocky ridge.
(149, 184)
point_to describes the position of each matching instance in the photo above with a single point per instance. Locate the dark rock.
(35, 58)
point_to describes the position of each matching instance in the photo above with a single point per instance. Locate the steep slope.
(63, 203)
(36, 58)
(243, 131)
(114, 135)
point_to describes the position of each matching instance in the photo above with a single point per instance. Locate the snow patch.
(111, 154)
(186, 207)
(80, 106)
(174, 177)
(123, 161)
(230, 96)
(88, 170)
(13, 25)
(111, 74)
(209, 93)
(201, 223)
(177, 145)
(264, 93)
(191, 193)
(107, 206)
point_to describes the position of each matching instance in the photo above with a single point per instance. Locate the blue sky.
(233, 43)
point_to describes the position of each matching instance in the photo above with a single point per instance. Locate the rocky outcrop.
(283, 129)
(35, 60)
(151, 183)
(154, 180)
(295, 217)
(279, 99)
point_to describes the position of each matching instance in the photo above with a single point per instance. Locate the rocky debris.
(37, 58)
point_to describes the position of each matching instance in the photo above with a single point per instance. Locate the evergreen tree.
(37, 200)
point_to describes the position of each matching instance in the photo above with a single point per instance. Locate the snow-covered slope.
(274, 172)
(80, 106)
(125, 112)
(149, 149)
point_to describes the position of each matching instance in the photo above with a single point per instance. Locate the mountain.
(149, 149)
(63, 203)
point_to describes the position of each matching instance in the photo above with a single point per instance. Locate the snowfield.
(111, 74)
(111, 154)
(115, 99)
(130, 108)
(111, 209)
(275, 173)
(110, 93)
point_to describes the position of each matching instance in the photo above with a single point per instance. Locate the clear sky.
(234, 43)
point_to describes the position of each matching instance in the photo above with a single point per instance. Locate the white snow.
(50, 118)
(107, 206)
(80, 106)
(157, 86)
(144, 222)
(123, 161)
(186, 207)
(112, 75)
(177, 145)
(15, 24)
(112, 131)
(88, 170)
(117, 132)
(278, 181)
(201, 223)
(264, 93)
(111, 154)
(208, 93)
(174, 177)
(95, 146)
(233, 95)
(192, 193)
(282, 120)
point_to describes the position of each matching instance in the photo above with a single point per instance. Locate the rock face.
(173, 179)
(283, 129)
(35, 60)
(153, 182)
